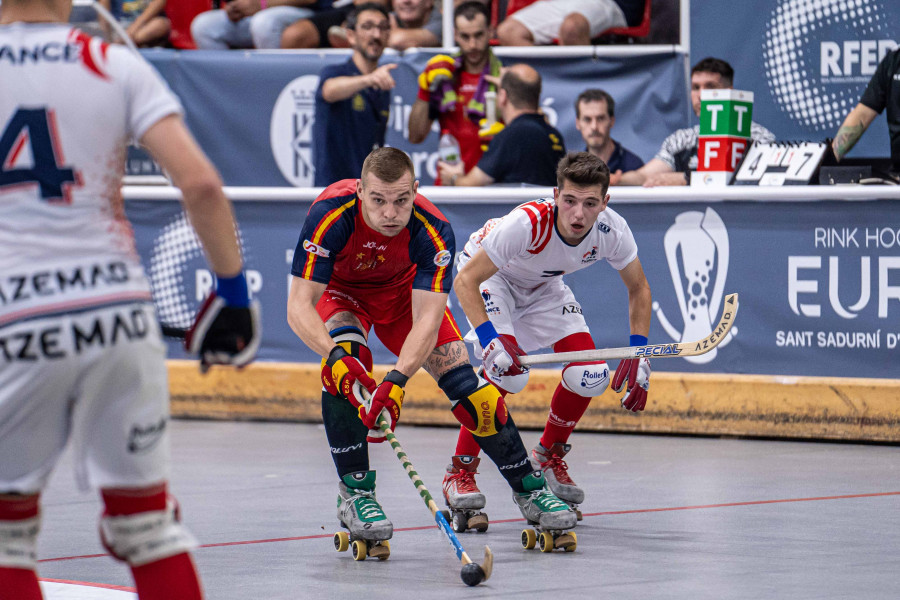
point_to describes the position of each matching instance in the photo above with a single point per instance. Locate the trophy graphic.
(696, 248)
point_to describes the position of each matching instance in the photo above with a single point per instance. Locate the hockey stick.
(729, 312)
(472, 573)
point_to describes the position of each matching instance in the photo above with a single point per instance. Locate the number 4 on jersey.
(34, 126)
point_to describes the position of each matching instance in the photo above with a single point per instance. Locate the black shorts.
(328, 18)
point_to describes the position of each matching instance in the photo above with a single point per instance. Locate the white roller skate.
(359, 512)
(463, 497)
(550, 517)
(556, 472)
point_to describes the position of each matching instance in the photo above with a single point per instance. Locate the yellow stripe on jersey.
(439, 245)
(319, 233)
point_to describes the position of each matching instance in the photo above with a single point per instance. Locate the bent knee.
(586, 379)
(575, 30)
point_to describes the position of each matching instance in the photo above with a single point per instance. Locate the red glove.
(340, 371)
(387, 400)
(636, 372)
(501, 356)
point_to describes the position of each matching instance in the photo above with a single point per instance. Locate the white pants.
(97, 378)
(543, 18)
(213, 30)
(537, 318)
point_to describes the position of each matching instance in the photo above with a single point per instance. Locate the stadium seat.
(642, 29)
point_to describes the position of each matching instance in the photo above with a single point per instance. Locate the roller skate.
(550, 518)
(556, 472)
(463, 497)
(359, 512)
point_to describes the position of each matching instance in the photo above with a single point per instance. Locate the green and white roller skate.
(359, 512)
(549, 517)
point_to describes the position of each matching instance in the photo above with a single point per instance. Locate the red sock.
(466, 444)
(566, 408)
(19, 583)
(171, 577)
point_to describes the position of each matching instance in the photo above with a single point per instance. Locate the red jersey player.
(373, 254)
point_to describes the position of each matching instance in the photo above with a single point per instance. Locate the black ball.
(472, 574)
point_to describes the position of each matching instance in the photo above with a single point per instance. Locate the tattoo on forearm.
(846, 138)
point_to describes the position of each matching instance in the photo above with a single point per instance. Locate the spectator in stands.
(882, 92)
(353, 99)
(677, 157)
(571, 22)
(452, 88)
(144, 21)
(414, 23)
(595, 115)
(250, 23)
(527, 150)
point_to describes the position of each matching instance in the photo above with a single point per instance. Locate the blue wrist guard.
(638, 340)
(233, 290)
(485, 333)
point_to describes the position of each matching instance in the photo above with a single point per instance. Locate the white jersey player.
(510, 285)
(81, 357)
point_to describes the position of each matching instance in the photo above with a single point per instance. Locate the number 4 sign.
(780, 163)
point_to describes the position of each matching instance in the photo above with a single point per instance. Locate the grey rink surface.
(665, 517)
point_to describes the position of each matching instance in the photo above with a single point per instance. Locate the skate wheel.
(578, 515)
(341, 541)
(460, 522)
(447, 516)
(566, 541)
(381, 550)
(479, 522)
(359, 550)
(529, 538)
(545, 541)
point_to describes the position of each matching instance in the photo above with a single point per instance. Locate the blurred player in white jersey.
(511, 288)
(81, 357)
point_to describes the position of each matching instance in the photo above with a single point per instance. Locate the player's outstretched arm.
(207, 207)
(468, 286)
(303, 318)
(419, 122)
(852, 129)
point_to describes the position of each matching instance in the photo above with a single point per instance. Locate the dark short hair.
(522, 94)
(387, 164)
(357, 10)
(715, 65)
(470, 10)
(595, 95)
(582, 168)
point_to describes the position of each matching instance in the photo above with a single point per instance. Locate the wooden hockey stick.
(729, 312)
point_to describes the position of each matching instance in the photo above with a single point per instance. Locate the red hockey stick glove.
(387, 400)
(636, 373)
(224, 335)
(341, 371)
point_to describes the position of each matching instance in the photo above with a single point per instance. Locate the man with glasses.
(353, 99)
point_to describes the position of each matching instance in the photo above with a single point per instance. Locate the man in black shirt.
(882, 92)
(527, 150)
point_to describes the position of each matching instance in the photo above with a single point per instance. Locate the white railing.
(513, 195)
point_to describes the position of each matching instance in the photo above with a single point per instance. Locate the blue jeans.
(213, 30)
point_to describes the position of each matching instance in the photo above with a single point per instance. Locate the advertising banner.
(253, 112)
(807, 61)
(819, 282)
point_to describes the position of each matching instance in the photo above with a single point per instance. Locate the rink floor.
(664, 517)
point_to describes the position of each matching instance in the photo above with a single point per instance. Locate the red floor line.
(595, 514)
(105, 586)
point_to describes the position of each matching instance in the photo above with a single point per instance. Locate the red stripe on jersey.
(321, 229)
(83, 41)
(541, 216)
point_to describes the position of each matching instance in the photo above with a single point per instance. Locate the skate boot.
(548, 515)
(359, 512)
(463, 496)
(556, 472)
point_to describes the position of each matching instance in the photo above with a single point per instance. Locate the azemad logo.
(697, 252)
(820, 54)
(290, 131)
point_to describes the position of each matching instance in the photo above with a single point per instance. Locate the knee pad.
(18, 536)
(587, 379)
(477, 404)
(146, 537)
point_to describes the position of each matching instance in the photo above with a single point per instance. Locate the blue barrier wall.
(819, 282)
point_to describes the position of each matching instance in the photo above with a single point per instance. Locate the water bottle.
(448, 149)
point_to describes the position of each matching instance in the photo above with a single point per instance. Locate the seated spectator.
(414, 24)
(595, 115)
(144, 21)
(572, 22)
(250, 23)
(527, 150)
(677, 157)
